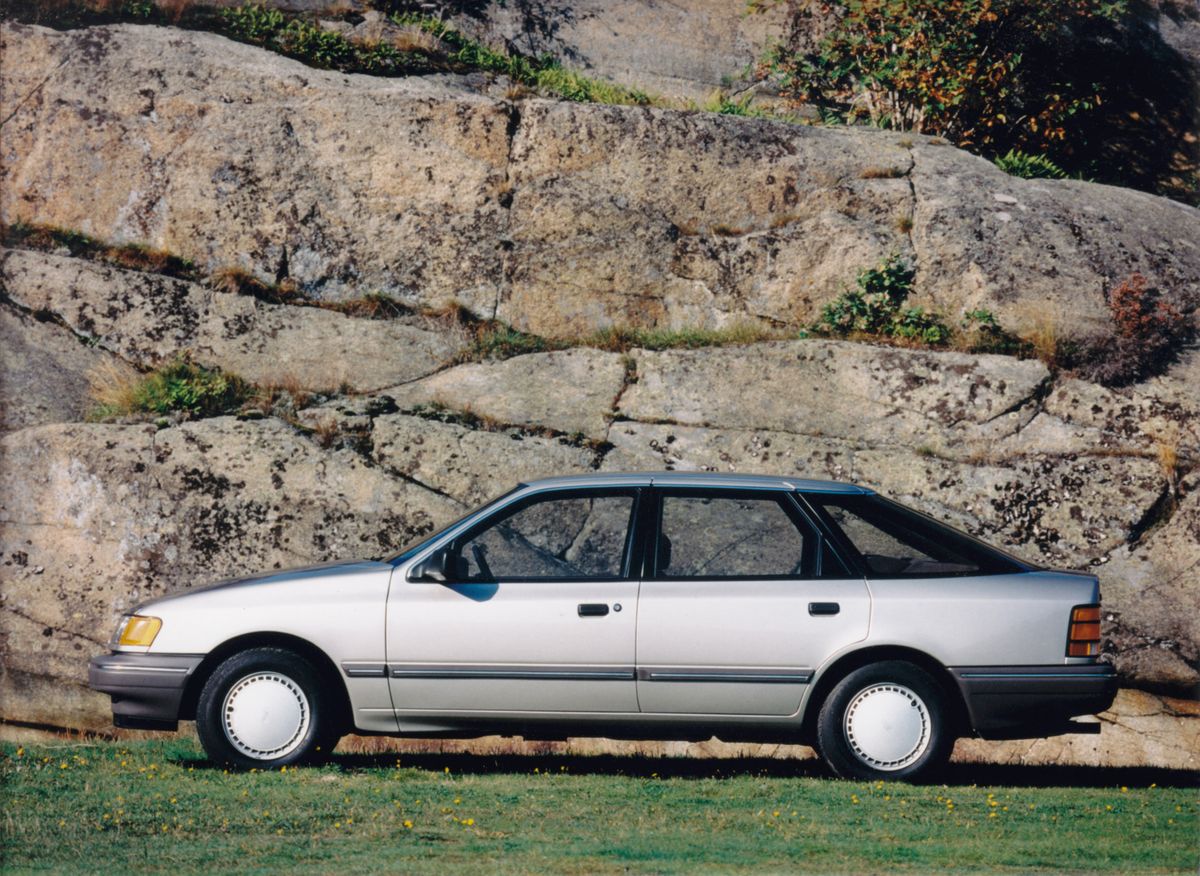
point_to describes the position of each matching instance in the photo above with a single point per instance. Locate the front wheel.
(263, 708)
(886, 721)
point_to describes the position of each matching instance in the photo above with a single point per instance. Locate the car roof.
(696, 479)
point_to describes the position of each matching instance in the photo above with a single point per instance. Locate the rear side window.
(728, 535)
(896, 542)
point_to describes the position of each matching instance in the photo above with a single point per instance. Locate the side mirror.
(445, 567)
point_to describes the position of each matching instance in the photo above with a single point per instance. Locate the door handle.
(818, 609)
(592, 609)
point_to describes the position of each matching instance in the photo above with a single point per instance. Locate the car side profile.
(634, 606)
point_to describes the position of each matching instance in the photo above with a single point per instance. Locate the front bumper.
(1023, 702)
(146, 689)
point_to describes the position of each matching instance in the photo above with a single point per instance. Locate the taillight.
(1083, 636)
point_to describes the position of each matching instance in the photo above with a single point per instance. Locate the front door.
(538, 614)
(744, 603)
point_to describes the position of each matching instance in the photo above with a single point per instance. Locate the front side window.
(567, 537)
(895, 542)
(714, 536)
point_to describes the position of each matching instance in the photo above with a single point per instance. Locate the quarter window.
(895, 542)
(553, 538)
(709, 536)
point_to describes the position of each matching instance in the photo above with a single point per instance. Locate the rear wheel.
(885, 721)
(263, 708)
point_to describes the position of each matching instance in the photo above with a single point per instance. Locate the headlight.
(137, 630)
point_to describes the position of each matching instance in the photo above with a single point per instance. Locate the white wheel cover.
(265, 715)
(887, 726)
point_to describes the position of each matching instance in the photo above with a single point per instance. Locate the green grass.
(159, 807)
(180, 385)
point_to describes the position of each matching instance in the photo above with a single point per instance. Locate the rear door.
(742, 602)
(538, 614)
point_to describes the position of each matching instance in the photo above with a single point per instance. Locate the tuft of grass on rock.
(239, 281)
(131, 256)
(373, 305)
(179, 387)
(620, 339)
(875, 172)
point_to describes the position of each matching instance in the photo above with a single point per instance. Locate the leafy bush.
(986, 74)
(1147, 333)
(1026, 166)
(876, 307)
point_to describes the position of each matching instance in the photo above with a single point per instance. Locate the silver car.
(634, 606)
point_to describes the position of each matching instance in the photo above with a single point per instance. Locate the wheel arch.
(829, 677)
(331, 678)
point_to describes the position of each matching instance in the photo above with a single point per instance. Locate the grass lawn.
(158, 807)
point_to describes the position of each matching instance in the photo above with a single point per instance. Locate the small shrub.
(1026, 166)
(875, 307)
(981, 333)
(180, 386)
(1146, 335)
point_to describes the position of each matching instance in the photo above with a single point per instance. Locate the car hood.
(330, 572)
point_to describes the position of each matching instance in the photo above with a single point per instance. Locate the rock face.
(561, 217)
(568, 391)
(689, 49)
(43, 372)
(896, 393)
(232, 156)
(147, 319)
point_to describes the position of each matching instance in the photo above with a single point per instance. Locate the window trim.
(519, 504)
(784, 498)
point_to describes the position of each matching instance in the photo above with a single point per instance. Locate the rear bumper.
(146, 689)
(1022, 702)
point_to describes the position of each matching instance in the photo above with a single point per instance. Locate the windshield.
(415, 547)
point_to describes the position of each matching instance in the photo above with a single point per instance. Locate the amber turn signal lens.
(1083, 637)
(140, 631)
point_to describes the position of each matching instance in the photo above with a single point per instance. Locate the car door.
(537, 615)
(743, 602)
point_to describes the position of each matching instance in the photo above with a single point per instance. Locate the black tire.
(271, 683)
(892, 743)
